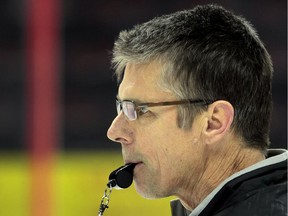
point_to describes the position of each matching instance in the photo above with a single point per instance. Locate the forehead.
(142, 82)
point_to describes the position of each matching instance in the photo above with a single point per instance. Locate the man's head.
(207, 52)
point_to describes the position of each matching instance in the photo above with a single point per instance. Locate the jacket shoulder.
(271, 201)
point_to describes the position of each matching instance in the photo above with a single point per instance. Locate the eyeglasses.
(132, 109)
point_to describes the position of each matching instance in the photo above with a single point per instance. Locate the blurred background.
(57, 99)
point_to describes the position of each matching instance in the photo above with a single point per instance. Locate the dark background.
(88, 29)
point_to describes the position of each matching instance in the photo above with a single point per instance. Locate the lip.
(131, 162)
(136, 164)
(134, 161)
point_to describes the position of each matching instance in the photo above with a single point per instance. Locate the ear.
(220, 118)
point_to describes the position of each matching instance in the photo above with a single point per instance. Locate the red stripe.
(42, 75)
(42, 97)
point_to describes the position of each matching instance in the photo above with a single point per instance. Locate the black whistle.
(122, 177)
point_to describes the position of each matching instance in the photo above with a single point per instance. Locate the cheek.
(154, 146)
(162, 142)
(164, 147)
(161, 139)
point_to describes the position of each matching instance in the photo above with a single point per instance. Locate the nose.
(120, 131)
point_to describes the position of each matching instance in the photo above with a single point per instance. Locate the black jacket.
(260, 192)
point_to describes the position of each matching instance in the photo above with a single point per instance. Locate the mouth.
(135, 163)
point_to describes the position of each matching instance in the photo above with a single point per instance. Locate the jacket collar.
(275, 158)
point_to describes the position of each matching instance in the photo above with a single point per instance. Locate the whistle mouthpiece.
(122, 177)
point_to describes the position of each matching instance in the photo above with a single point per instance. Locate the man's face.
(169, 159)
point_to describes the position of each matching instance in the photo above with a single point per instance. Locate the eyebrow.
(130, 99)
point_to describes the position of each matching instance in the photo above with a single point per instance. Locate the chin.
(149, 191)
(146, 195)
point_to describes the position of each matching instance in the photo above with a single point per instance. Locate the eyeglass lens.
(128, 108)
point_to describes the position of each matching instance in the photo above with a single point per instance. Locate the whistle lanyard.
(105, 200)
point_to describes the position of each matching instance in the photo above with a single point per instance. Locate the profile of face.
(169, 159)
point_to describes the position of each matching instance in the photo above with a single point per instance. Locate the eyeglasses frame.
(138, 106)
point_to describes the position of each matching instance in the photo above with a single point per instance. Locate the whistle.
(122, 177)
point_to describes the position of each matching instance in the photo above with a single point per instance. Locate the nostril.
(120, 140)
(123, 141)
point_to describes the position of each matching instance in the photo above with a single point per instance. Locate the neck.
(219, 166)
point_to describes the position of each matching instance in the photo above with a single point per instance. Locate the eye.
(142, 110)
